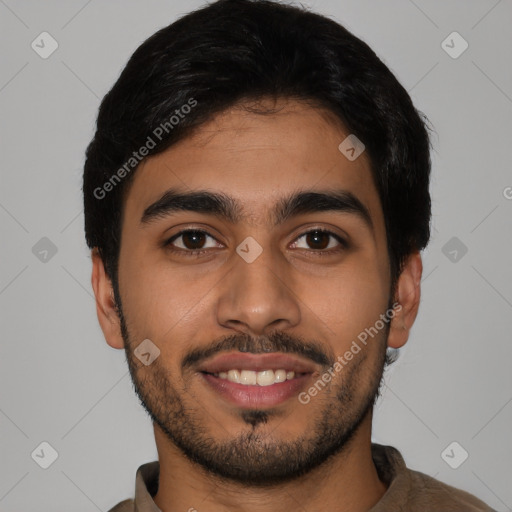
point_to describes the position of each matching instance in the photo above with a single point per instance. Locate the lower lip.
(250, 397)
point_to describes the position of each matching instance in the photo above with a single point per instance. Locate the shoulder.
(428, 493)
(124, 506)
(414, 491)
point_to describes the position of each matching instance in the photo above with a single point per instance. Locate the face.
(249, 297)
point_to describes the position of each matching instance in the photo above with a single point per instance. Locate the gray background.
(61, 383)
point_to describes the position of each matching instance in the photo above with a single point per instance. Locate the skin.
(182, 303)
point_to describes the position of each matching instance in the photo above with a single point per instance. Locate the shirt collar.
(394, 473)
(146, 486)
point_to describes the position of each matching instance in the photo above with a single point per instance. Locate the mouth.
(257, 380)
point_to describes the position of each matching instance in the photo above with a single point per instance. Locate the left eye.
(319, 239)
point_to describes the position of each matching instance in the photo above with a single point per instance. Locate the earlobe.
(105, 303)
(407, 298)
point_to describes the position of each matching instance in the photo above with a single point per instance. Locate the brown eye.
(191, 240)
(319, 240)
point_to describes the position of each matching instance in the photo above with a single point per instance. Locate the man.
(256, 200)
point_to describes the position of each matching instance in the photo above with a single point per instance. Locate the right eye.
(191, 241)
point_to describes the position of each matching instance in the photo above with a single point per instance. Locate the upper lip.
(256, 362)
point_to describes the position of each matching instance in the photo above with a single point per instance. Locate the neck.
(348, 482)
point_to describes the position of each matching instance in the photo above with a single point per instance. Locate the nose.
(258, 297)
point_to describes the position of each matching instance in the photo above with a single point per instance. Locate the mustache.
(275, 342)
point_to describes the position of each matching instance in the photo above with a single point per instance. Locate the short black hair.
(239, 51)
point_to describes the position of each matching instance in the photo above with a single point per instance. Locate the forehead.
(257, 158)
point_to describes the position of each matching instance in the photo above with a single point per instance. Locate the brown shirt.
(408, 490)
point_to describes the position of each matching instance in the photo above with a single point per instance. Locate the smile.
(257, 380)
(252, 378)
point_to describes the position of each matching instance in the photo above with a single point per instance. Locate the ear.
(105, 304)
(407, 295)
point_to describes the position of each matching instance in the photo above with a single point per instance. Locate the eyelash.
(198, 252)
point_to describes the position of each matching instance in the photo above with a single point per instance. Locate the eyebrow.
(225, 207)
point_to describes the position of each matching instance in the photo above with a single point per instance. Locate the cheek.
(348, 301)
(165, 303)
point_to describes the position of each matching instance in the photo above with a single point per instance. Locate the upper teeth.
(251, 378)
